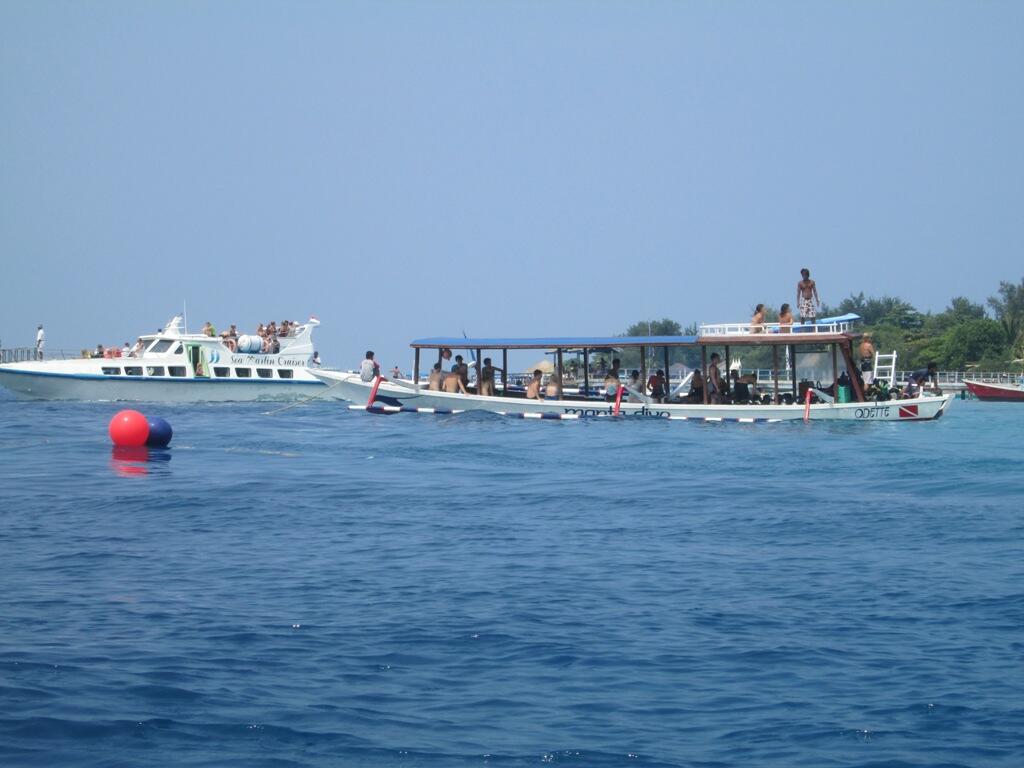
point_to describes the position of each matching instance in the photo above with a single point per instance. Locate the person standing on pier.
(40, 342)
(807, 297)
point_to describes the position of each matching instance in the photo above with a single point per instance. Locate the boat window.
(243, 373)
(111, 371)
(264, 373)
(221, 373)
(176, 370)
(162, 345)
(154, 370)
(133, 370)
(179, 350)
(285, 373)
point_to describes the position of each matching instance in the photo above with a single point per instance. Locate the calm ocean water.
(327, 588)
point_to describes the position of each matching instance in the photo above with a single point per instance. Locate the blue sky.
(408, 169)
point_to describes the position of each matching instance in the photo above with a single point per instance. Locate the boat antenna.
(184, 313)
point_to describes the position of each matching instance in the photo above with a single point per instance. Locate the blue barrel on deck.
(250, 344)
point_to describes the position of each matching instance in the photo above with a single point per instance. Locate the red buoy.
(129, 428)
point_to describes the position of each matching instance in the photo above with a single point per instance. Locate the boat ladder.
(885, 368)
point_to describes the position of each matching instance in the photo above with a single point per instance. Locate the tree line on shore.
(987, 336)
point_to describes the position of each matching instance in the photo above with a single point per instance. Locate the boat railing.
(17, 355)
(27, 354)
(751, 329)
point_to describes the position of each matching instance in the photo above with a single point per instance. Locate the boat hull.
(1005, 393)
(394, 397)
(29, 385)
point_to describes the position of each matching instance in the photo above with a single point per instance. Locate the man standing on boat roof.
(807, 297)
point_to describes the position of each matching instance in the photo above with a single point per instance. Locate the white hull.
(28, 385)
(392, 397)
(177, 367)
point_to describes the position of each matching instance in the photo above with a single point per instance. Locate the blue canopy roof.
(554, 342)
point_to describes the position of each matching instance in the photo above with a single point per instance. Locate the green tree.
(888, 310)
(973, 341)
(1008, 308)
(663, 327)
(630, 358)
(962, 309)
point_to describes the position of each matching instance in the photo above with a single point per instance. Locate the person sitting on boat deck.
(657, 385)
(99, 351)
(126, 350)
(553, 391)
(229, 338)
(757, 321)
(696, 393)
(369, 369)
(611, 386)
(785, 319)
(715, 385)
(740, 387)
(533, 388)
(487, 378)
(315, 360)
(435, 378)
(916, 381)
(137, 349)
(453, 383)
(807, 296)
(867, 358)
(635, 387)
(208, 329)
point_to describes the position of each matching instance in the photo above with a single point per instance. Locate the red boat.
(1000, 392)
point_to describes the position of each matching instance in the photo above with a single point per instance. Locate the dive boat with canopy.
(833, 336)
(177, 366)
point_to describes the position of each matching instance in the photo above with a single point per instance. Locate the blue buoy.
(159, 433)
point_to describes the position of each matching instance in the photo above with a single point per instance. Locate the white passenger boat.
(176, 366)
(832, 335)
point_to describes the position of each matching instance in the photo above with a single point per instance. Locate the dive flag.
(908, 411)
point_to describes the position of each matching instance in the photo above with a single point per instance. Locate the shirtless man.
(435, 378)
(866, 350)
(533, 388)
(487, 378)
(453, 383)
(807, 297)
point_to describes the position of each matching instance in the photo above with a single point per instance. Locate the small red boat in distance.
(996, 392)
